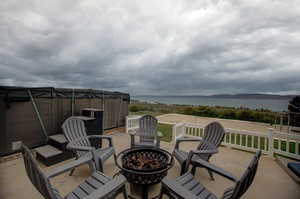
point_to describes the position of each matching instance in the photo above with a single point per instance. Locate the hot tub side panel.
(22, 124)
(3, 137)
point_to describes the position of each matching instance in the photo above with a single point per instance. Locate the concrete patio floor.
(271, 180)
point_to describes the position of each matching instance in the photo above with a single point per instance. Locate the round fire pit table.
(144, 166)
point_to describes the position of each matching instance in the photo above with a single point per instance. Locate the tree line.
(246, 114)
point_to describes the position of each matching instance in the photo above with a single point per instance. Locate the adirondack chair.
(95, 187)
(81, 143)
(213, 135)
(147, 133)
(186, 186)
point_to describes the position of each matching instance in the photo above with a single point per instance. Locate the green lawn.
(166, 130)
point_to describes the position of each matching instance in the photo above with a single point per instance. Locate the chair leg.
(92, 167)
(167, 193)
(115, 158)
(183, 170)
(125, 192)
(100, 166)
(72, 171)
(193, 171)
(211, 175)
(162, 192)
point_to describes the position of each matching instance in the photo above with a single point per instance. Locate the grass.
(166, 130)
(146, 113)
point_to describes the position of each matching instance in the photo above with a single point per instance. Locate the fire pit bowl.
(144, 166)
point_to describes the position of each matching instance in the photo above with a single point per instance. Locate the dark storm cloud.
(158, 47)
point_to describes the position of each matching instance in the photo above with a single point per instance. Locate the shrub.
(188, 111)
(260, 115)
(133, 109)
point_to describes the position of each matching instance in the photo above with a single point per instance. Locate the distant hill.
(253, 96)
(231, 96)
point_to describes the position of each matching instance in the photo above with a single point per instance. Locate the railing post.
(130, 123)
(271, 142)
(281, 121)
(183, 129)
(126, 124)
(177, 129)
(174, 133)
(229, 143)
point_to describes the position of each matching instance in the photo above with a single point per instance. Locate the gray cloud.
(158, 47)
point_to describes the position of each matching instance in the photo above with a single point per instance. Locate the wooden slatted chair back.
(245, 181)
(148, 128)
(74, 129)
(37, 177)
(213, 134)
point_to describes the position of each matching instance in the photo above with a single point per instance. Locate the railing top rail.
(133, 117)
(230, 130)
(246, 132)
(194, 125)
(162, 122)
(286, 135)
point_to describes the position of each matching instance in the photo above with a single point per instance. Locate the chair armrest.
(106, 137)
(159, 134)
(69, 166)
(216, 169)
(188, 139)
(132, 138)
(132, 132)
(198, 152)
(109, 187)
(179, 140)
(137, 132)
(210, 151)
(177, 190)
(73, 146)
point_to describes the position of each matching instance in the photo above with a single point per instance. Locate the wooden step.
(50, 155)
(60, 138)
(59, 141)
(48, 151)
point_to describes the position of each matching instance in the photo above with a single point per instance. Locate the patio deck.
(271, 180)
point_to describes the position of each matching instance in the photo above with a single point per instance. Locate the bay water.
(270, 104)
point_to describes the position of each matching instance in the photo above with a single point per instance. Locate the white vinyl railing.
(270, 143)
(286, 144)
(132, 122)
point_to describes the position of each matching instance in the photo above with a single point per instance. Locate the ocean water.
(270, 104)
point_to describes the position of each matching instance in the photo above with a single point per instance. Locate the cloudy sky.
(166, 47)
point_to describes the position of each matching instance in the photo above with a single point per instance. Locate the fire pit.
(144, 166)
